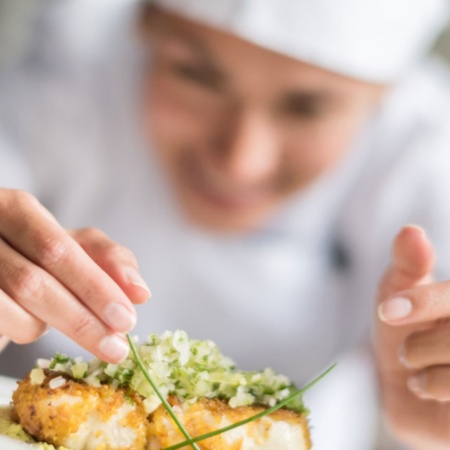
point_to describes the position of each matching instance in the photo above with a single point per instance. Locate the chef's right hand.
(79, 282)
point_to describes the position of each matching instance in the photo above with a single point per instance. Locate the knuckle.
(22, 199)
(52, 251)
(444, 337)
(94, 240)
(444, 322)
(5, 197)
(91, 239)
(28, 283)
(83, 325)
(16, 200)
(405, 356)
(89, 234)
(407, 349)
(119, 252)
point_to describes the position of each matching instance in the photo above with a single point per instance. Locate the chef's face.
(238, 128)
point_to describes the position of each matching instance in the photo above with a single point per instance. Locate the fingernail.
(417, 383)
(135, 279)
(416, 227)
(119, 317)
(394, 309)
(3, 341)
(113, 348)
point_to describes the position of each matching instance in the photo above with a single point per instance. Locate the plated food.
(98, 406)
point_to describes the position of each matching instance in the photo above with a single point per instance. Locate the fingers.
(421, 304)
(430, 347)
(427, 352)
(412, 261)
(30, 327)
(412, 341)
(46, 245)
(3, 342)
(412, 255)
(85, 290)
(117, 261)
(32, 298)
(419, 423)
(432, 383)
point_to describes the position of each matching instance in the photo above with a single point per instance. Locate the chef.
(254, 163)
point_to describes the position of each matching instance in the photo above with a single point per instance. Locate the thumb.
(411, 265)
(406, 305)
(412, 262)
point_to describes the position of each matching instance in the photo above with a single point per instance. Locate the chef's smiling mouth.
(219, 193)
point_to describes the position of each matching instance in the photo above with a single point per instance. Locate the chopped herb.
(185, 368)
(59, 358)
(158, 393)
(266, 412)
(174, 364)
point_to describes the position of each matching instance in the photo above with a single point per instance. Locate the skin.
(79, 282)
(413, 351)
(239, 130)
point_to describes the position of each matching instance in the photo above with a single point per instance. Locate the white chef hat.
(374, 40)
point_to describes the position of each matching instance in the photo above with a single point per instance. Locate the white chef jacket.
(298, 294)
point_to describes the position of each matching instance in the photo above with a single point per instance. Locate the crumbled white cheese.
(184, 367)
(57, 382)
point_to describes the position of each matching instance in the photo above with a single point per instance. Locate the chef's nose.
(251, 150)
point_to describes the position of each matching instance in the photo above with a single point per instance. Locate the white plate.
(7, 443)
(7, 386)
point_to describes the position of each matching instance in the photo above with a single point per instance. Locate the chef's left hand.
(413, 345)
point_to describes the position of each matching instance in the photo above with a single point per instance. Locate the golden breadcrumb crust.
(207, 415)
(46, 414)
(56, 415)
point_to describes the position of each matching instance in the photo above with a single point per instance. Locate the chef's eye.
(302, 108)
(304, 105)
(199, 75)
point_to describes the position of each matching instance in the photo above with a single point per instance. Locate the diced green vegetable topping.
(187, 368)
(37, 376)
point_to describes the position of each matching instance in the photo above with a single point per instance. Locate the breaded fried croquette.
(282, 429)
(67, 413)
(83, 417)
(99, 406)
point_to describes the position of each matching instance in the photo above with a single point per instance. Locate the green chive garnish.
(160, 396)
(284, 402)
(192, 441)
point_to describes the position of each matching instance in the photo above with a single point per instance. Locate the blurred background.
(16, 23)
(17, 16)
(16, 19)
